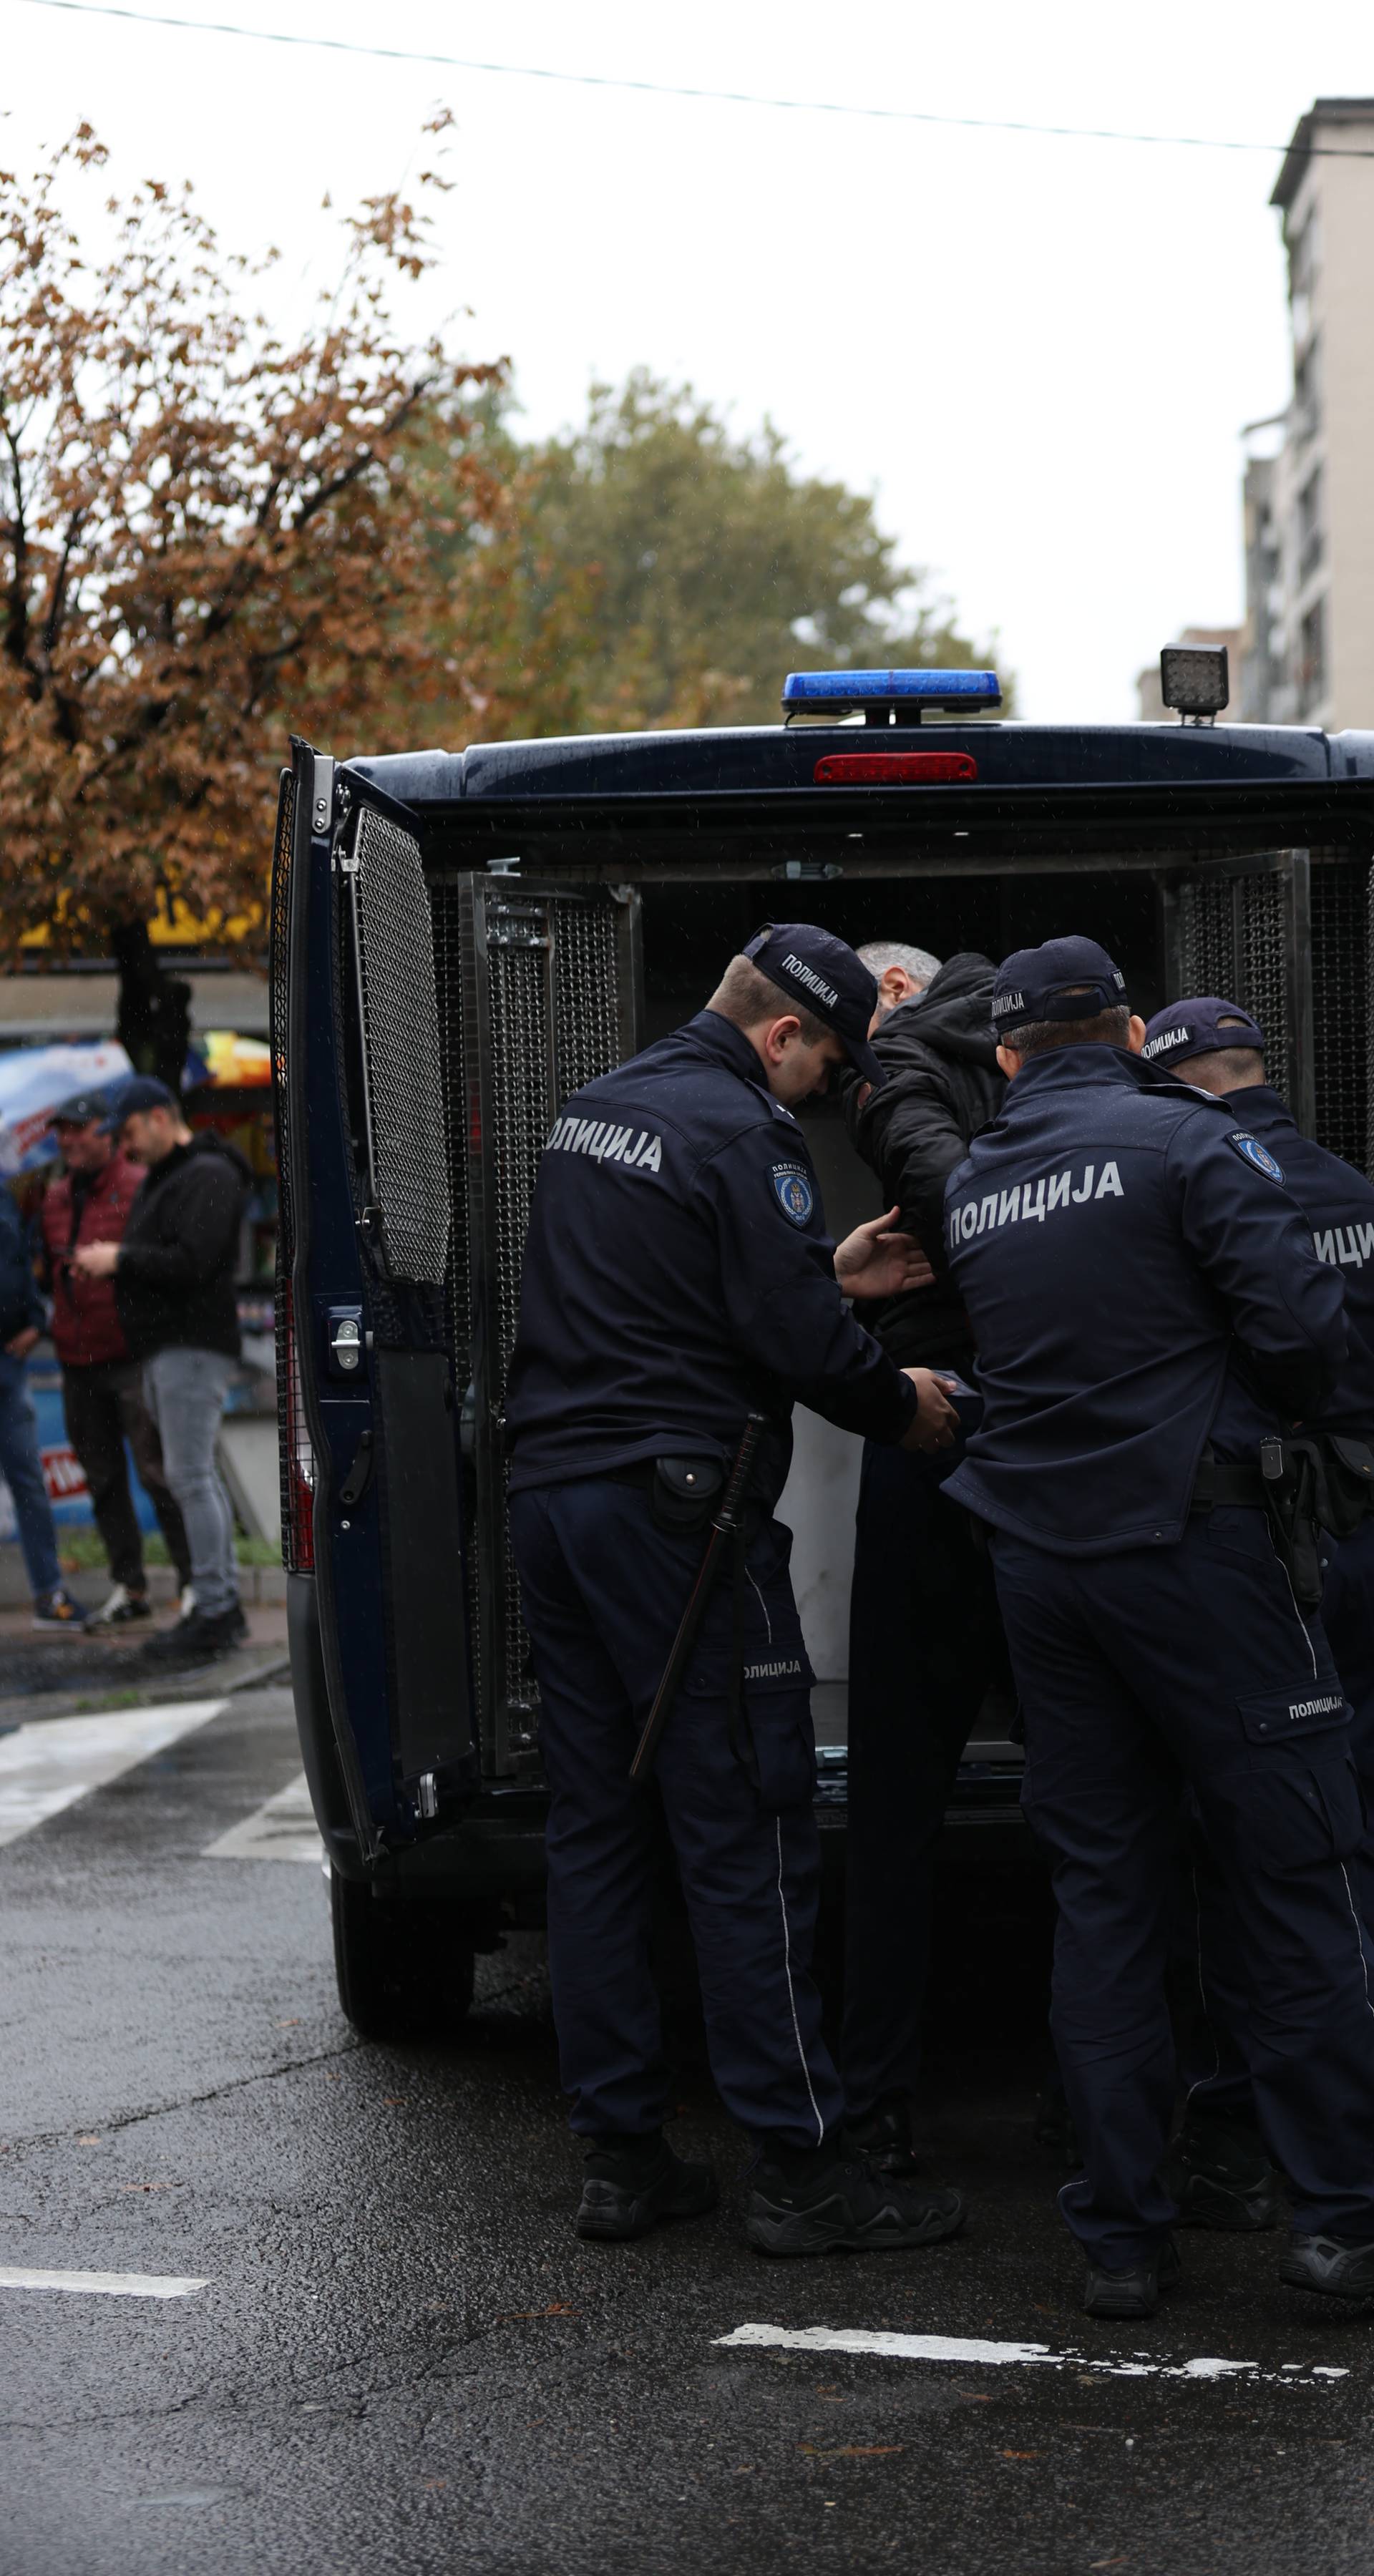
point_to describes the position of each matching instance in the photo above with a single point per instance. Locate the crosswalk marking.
(49, 1763)
(109, 2285)
(282, 1829)
(975, 2350)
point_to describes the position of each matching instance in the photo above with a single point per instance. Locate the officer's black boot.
(811, 2200)
(1219, 2173)
(1339, 2266)
(631, 2183)
(883, 2137)
(1134, 2292)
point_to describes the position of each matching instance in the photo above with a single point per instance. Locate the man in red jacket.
(101, 1384)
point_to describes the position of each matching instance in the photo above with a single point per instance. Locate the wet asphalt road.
(404, 2361)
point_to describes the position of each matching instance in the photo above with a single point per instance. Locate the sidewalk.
(67, 1675)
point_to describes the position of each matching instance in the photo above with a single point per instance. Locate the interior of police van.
(499, 927)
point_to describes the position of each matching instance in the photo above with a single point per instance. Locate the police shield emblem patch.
(1252, 1151)
(793, 1192)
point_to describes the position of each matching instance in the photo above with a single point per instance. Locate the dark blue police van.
(459, 940)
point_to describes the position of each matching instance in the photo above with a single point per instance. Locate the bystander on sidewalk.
(102, 1384)
(174, 1273)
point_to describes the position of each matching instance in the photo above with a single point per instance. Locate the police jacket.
(20, 1303)
(179, 1256)
(940, 1057)
(678, 1273)
(86, 1207)
(1338, 1203)
(1139, 1282)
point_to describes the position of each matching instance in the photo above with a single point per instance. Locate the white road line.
(969, 2349)
(51, 1762)
(283, 1829)
(105, 2285)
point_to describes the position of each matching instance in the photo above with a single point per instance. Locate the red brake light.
(895, 768)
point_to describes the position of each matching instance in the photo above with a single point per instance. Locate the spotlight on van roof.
(1194, 680)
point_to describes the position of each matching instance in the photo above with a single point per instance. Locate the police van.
(461, 940)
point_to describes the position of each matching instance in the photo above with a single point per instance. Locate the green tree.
(661, 569)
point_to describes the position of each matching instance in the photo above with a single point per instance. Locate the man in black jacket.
(173, 1270)
(925, 1640)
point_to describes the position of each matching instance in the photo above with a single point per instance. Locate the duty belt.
(1223, 1486)
(1314, 1486)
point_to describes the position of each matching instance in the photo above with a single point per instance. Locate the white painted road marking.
(105, 2285)
(966, 2349)
(51, 1762)
(283, 1829)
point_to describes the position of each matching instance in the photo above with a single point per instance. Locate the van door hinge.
(321, 795)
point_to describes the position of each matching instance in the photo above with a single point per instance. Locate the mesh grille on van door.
(401, 1053)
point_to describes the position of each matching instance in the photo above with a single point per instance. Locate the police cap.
(818, 973)
(1066, 979)
(1200, 1027)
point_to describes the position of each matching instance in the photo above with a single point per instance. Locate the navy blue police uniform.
(1338, 1204)
(678, 1274)
(1142, 1286)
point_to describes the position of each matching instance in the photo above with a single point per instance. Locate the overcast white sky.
(1037, 353)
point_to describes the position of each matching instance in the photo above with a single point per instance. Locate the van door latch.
(355, 1483)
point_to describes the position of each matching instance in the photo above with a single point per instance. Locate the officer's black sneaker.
(1134, 2292)
(815, 2202)
(1339, 2266)
(631, 2183)
(883, 2137)
(1221, 2176)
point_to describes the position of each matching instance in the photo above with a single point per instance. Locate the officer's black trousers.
(1140, 1672)
(603, 1591)
(1214, 2057)
(924, 1643)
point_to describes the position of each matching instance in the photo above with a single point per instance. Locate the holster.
(1309, 1484)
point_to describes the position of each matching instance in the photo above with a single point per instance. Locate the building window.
(1311, 671)
(1304, 253)
(1310, 526)
(1307, 411)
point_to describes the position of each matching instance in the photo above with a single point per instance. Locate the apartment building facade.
(1307, 651)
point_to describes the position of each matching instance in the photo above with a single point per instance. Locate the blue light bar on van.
(952, 693)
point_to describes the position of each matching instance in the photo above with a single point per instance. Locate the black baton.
(725, 1525)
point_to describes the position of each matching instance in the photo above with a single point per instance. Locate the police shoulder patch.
(1257, 1155)
(793, 1191)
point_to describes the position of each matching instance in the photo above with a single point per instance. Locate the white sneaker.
(121, 1610)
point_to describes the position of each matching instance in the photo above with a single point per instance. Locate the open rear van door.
(372, 1518)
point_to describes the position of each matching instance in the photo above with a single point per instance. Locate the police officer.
(678, 1275)
(1219, 2168)
(1144, 1290)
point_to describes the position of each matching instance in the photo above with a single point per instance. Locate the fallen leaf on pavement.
(855, 2451)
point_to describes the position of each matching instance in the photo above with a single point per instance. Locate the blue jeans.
(185, 1392)
(23, 1473)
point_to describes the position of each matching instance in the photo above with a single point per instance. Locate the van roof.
(1172, 786)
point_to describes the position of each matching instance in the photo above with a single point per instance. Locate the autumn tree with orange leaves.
(208, 533)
